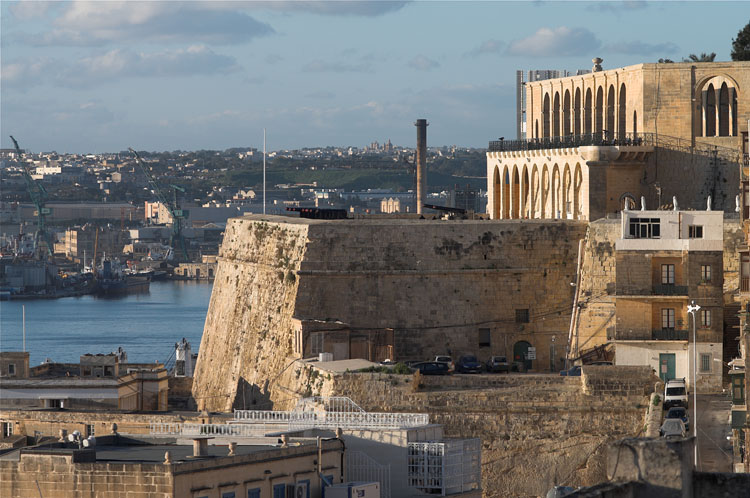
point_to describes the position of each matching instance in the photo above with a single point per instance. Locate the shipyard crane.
(177, 238)
(38, 194)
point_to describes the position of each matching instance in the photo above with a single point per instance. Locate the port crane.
(177, 239)
(38, 194)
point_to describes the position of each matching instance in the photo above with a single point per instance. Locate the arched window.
(724, 111)
(587, 113)
(566, 114)
(556, 116)
(577, 112)
(497, 194)
(546, 117)
(506, 194)
(515, 209)
(599, 112)
(710, 109)
(622, 114)
(610, 112)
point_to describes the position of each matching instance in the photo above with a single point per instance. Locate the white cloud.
(117, 64)
(97, 23)
(560, 42)
(487, 47)
(30, 9)
(334, 8)
(423, 63)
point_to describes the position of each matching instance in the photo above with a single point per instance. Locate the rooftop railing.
(601, 138)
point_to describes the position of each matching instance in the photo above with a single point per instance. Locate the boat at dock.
(111, 281)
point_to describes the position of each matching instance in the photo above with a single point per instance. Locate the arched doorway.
(556, 116)
(546, 117)
(587, 113)
(566, 114)
(521, 355)
(599, 112)
(577, 112)
(610, 130)
(622, 114)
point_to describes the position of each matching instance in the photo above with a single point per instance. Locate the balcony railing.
(745, 284)
(669, 335)
(601, 138)
(647, 335)
(670, 290)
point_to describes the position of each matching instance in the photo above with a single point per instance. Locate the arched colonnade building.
(598, 140)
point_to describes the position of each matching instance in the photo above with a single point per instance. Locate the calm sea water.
(145, 325)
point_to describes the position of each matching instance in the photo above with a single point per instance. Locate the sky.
(103, 76)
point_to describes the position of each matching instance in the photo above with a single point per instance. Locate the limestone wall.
(536, 430)
(434, 283)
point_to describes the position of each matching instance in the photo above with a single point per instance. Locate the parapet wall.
(436, 285)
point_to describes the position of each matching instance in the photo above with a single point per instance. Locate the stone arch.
(566, 114)
(520, 356)
(599, 112)
(535, 191)
(610, 129)
(588, 110)
(525, 193)
(710, 108)
(577, 112)
(556, 115)
(546, 117)
(515, 195)
(497, 198)
(622, 114)
(567, 194)
(545, 192)
(506, 194)
(556, 192)
(628, 198)
(577, 183)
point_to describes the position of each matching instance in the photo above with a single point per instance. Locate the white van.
(675, 393)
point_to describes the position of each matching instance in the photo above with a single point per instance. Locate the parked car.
(571, 372)
(446, 359)
(675, 394)
(672, 427)
(498, 364)
(679, 412)
(432, 368)
(468, 364)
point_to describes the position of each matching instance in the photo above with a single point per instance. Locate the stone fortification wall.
(536, 430)
(597, 293)
(435, 284)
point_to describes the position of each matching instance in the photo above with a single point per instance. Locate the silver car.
(672, 427)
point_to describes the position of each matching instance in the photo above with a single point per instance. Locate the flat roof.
(383, 221)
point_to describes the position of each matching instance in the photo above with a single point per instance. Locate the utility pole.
(693, 309)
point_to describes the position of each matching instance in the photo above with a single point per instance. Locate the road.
(714, 450)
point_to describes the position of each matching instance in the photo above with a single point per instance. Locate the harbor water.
(145, 325)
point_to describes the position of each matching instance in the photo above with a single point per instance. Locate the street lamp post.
(693, 309)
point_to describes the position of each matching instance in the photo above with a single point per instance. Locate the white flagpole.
(264, 171)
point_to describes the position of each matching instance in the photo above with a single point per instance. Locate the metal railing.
(669, 335)
(362, 468)
(193, 430)
(262, 416)
(445, 467)
(322, 412)
(745, 284)
(670, 290)
(353, 420)
(600, 138)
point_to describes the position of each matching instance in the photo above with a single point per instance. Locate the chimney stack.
(421, 160)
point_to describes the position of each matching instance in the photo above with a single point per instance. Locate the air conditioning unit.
(298, 490)
(353, 490)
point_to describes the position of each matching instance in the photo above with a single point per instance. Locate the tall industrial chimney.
(421, 125)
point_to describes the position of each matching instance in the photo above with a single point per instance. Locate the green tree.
(741, 45)
(665, 61)
(703, 57)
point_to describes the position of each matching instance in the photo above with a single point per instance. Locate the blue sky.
(103, 76)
